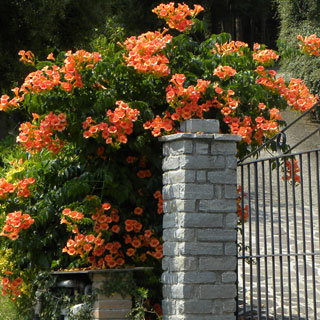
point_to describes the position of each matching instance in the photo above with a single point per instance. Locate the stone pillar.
(199, 226)
(113, 307)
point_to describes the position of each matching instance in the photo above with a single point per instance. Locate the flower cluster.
(144, 53)
(299, 96)
(254, 129)
(158, 195)
(229, 47)
(146, 173)
(296, 93)
(16, 221)
(104, 221)
(143, 241)
(266, 127)
(93, 246)
(310, 44)
(119, 124)
(131, 159)
(6, 188)
(269, 80)
(180, 17)
(76, 215)
(275, 114)
(158, 309)
(225, 101)
(224, 72)
(22, 188)
(138, 211)
(243, 127)
(48, 78)
(79, 60)
(158, 124)
(6, 103)
(266, 57)
(27, 57)
(42, 80)
(36, 137)
(73, 64)
(292, 173)
(185, 101)
(142, 173)
(137, 243)
(11, 288)
(243, 214)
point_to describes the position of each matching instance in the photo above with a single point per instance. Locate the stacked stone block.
(199, 227)
(114, 307)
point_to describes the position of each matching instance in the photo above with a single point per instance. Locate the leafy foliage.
(95, 199)
(56, 300)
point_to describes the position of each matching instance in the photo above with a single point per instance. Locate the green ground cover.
(8, 310)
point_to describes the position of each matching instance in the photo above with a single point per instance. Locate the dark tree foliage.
(248, 20)
(44, 26)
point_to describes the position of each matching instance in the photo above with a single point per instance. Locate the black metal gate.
(278, 239)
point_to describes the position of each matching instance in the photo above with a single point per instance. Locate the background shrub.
(299, 17)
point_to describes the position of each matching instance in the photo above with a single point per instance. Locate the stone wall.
(114, 307)
(199, 227)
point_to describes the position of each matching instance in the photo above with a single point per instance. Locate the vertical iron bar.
(237, 285)
(243, 243)
(295, 236)
(250, 243)
(265, 239)
(256, 195)
(272, 243)
(318, 191)
(318, 195)
(304, 238)
(280, 238)
(237, 272)
(312, 240)
(288, 231)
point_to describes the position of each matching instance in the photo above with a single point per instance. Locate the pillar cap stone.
(214, 136)
(200, 126)
(200, 129)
